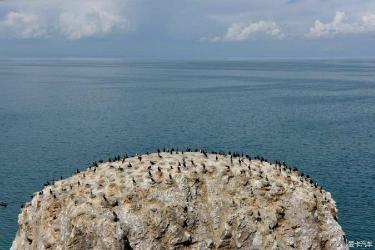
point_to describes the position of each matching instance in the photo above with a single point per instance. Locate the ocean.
(57, 115)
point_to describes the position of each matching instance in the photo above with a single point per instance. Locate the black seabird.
(115, 217)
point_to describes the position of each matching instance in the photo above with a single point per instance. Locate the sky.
(187, 29)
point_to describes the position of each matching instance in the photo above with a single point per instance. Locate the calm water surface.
(58, 115)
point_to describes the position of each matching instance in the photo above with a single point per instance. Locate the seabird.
(115, 217)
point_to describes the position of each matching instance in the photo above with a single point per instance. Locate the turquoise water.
(58, 115)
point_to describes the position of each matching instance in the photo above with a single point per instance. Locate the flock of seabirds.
(234, 156)
(281, 166)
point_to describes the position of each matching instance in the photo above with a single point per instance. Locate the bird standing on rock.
(115, 217)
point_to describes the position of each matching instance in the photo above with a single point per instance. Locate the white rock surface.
(154, 203)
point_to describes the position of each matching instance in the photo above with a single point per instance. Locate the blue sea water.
(318, 115)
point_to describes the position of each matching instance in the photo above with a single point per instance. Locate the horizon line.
(122, 58)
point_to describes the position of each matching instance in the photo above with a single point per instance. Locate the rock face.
(189, 200)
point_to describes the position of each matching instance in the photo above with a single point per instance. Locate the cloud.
(368, 22)
(71, 19)
(24, 24)
(238, 32)
(92, 20)
(342, 25)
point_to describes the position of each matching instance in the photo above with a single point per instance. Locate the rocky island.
(182, 200)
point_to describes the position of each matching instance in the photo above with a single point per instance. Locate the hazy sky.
(187, 28)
